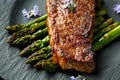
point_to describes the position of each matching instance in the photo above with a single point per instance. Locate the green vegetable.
(105, 30)
(106, 38)
(33, 28)
(35, 59)
(44, 50)
(18, 27)
(47, 65)
(106, 23)
(27, 39)
(99, 20)
(101, 12)
(35, 46)
(71, 7)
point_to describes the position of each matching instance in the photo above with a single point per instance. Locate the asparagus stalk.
(40, 34)
(99, 20)
(105, 30)
(35, 59)
(106, 23)
(27, 39)
(14, 28)
(101, 12)
(44, 64)
(41, 51)
(47, 65)
(37, 20)
(35, 46)
(33, 28)
(18, 27)
(106, 38)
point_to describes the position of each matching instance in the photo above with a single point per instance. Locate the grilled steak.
(70, 33)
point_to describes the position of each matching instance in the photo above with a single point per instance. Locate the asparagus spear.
(99, 20)
(41, 51)
(35, 59)
(47, 65)
(106, 38)
(106, 23)
(18, 27)
(33, 28)
(27, 39)
(105, 30)
(101, 12)
(37, 20)
(14, 28)
(102, 31)
(35, 46)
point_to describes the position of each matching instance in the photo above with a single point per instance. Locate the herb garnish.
(116, 8)
(32, 13)
(70, 5)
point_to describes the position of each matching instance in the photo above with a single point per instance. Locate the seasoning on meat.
(71, 34)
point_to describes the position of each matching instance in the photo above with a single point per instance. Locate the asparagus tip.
(35, 66)
(9, 41)
(27, 61)
(21, 55)
(7, 28)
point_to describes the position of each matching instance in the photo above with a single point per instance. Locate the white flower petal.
(36, 8)
(24, 12)
(73, 78)
(28, 16)
(116, 8)
(32, 13)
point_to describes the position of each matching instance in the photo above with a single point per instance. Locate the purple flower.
(32, 13)
(79, 77)
(36, 11)
(72, 78)
(24, 12)
(69, 4)
(116, 8)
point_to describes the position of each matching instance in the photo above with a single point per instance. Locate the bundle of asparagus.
(27, 39)
(25, 31)
(18, 27)
(35, 46)
(34, 35)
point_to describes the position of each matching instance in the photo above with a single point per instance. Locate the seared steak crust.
(70, 34)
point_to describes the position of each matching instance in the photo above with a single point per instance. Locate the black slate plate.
(12, 67)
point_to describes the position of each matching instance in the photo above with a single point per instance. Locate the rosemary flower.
(116, 8)
(32, 13)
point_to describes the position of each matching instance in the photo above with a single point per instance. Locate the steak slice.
(71, 34)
